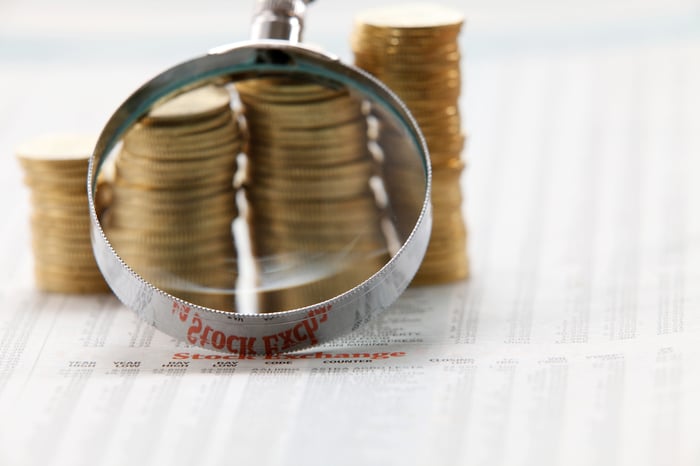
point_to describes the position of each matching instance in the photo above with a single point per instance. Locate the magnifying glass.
(265, 196)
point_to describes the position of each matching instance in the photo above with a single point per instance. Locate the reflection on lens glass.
(263, 194)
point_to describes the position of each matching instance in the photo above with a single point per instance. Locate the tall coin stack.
(413, 49)
(173, 197)
(312, 210)
(55, 169)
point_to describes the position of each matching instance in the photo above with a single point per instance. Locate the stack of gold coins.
(313, 213)
(413, 48)
(55, 170)
(173, 200)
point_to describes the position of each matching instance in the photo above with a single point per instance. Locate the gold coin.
(53, 224)
(451, 124)
(287, 89)
(68, 149)
(291, 208)
(391, 65)
(324, 130)
(61, 239)
(170, 174)
(155, 220)
(41, 170)
(134, 177)
(58, 195)
(198, 218)
(309, 171)
(362, 223)
(65, 260)
(174, 149)
(128, 161)
(283, 141)
(123, 192)
(55, 249)
(280, 135)
(342, 246)
(196, 228)
(220, 136)
(374, 35)
(191, 105)
(183, 206)
(182, 129)
(56, 186)
(259, 117)
(318, 158)
(163, 153)
(447, 198)
(362, 168)
(346, 104)
(335, 191)
(50, 217)
(77, 209)
(55, 244)
(374, 46)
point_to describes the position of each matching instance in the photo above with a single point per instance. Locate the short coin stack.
(55, 170)
(173, 198)
(413, 49)
(312, 208)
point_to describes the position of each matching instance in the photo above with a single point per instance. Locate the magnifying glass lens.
(261, 191)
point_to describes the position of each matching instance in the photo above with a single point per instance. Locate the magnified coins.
(173, 197)
(308, 187)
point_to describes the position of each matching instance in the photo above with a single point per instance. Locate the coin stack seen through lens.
(313, 214)
(55, 169)
(173, 197)
(413, 48)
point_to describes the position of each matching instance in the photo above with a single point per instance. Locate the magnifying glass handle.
(279, 19)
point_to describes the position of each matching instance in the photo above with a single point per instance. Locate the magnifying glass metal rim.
(247, 335)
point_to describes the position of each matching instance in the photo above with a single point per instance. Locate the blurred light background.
(110, 47)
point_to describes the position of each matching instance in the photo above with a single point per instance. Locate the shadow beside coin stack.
(174, 201)
(414, 50)
(314, 219)
(55, 169)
